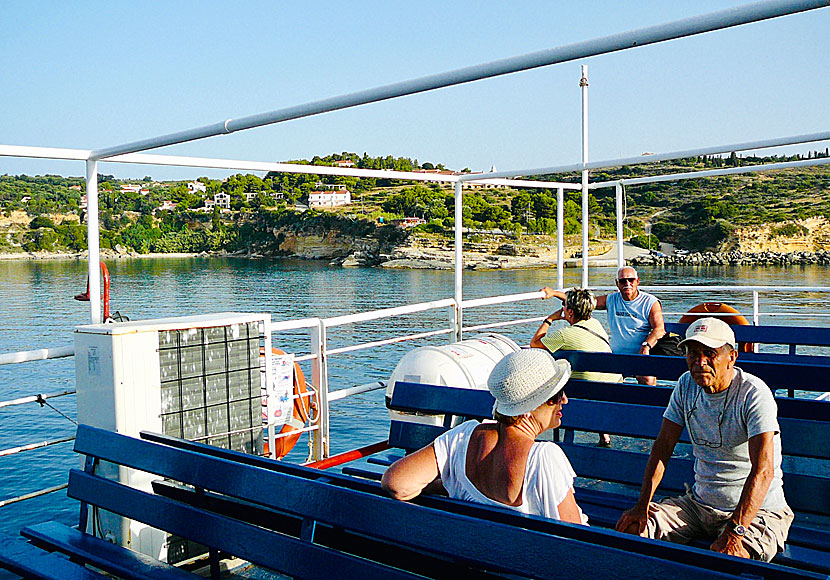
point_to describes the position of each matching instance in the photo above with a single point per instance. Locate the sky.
(95, 74)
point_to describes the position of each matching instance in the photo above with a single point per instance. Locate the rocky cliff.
(807, 235)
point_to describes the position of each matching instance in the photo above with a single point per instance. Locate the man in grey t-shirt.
(737, 499)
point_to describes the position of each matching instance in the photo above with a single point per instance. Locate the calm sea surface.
(38, 311)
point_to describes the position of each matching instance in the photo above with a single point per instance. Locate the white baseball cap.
(711, 332)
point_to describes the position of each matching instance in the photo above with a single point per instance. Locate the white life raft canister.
(465, 364)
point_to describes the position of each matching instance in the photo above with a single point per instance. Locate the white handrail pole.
(640, 37)
(560, 238)
(320, 380)
(583, 82)
(716, 172)
(755, 308)
(92, 240)
(620, 232)
(683, 154)
(459, 257)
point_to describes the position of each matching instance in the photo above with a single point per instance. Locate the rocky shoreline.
(506, 257)
(735, 258)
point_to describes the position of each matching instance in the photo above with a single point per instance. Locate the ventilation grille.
(211, 383)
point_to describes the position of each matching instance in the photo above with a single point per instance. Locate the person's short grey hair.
(581, 301)
(632, 268)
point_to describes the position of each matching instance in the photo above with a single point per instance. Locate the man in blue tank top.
(635, 318)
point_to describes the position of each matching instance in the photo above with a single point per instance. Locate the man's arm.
(634, 520)
(753, 494)
(658, 328)
(551, 293)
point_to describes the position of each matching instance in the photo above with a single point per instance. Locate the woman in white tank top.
(499, 462)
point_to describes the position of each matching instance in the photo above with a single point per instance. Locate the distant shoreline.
(474, 261)
(54, 256)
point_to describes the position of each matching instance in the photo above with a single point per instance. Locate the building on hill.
(343, 163)
(167, 205)
(223, 200)
(331, 198)
(196, 186)
(408, 222)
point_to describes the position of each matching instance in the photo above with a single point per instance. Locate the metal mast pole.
(560, 238)
(583, 82)
(620, 233)
(459, 258)
(92, 241)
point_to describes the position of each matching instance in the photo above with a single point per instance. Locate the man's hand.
(549, 292)
(633, 521)
(729, 543)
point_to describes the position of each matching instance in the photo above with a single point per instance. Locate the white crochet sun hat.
(524, 380)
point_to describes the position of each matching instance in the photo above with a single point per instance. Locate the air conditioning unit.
(197, 377)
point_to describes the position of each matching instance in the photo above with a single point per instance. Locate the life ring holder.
(300, 416)
(732, 318)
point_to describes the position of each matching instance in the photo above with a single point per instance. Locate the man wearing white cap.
(737, 499)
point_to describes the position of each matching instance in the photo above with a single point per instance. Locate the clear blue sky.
(94, 74)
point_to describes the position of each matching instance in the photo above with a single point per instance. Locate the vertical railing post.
(620, 233)
(320, 379)
(756, 315)
(583, 82)
(560, 238)
(755, 309)
(459, 258)
(92, 240)
(268, 380)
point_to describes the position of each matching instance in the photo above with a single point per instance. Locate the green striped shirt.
(571, 338)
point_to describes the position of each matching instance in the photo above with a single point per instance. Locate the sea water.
(38, 310)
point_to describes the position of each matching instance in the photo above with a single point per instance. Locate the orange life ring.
(299, 418)
(701, 310)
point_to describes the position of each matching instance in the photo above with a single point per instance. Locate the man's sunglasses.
(629, 280)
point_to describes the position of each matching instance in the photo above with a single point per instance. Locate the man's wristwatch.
(736, 529)
(645, 343)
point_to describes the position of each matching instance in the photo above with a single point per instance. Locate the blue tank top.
(628, 321)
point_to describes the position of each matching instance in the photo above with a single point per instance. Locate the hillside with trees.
(47, 213)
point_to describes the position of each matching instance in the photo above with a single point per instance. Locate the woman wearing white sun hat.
(499, 462)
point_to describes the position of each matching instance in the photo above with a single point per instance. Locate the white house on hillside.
(223, 200)
(332, 198)
(195, 186)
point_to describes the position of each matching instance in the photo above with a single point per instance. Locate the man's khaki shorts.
(683, 519)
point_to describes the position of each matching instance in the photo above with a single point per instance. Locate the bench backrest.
(804, 374)
(492, 545)
(792, 336)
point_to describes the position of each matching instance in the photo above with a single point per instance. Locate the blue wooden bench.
(635, 411)
(603, 537)
(791, 336)
(323, 529)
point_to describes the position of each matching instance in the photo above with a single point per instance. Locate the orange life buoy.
(735, 318)
(299, 417)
